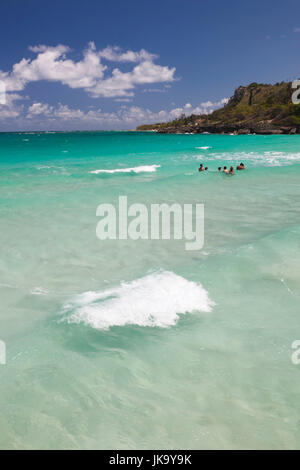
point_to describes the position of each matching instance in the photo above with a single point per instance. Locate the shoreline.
(269, 132)
(170, 131)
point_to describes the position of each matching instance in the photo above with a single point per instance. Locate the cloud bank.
(89, 73)
(42, 116)
(98, 73)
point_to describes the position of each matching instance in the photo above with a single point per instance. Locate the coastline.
(230, 130)
(218, 132)
(257, 108)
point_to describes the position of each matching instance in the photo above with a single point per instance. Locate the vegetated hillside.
(256, 108)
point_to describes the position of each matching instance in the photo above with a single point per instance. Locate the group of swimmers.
(241, 166)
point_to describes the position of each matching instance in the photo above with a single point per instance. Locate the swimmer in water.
(201, 167)
(241, 166)
(220, 168)
(225, 170)
(231, 171)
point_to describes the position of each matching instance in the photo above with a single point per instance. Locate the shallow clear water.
(142, 344)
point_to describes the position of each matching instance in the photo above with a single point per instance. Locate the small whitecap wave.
(155, 300)
(136, 169)
(8, 285)
(203, 148)
(39, 291)
(267, 158)
(54, 169)
(43, 167)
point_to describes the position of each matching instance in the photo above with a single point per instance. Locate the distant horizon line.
(66, 130)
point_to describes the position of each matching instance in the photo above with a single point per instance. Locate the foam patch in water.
(136, 169)
(268, 158)
(39, 291)
(154, 300)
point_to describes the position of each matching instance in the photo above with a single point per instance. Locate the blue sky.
(96, 64)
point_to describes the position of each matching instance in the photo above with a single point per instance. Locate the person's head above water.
(206, 168)
(225, 167)
(242, 164)
(220, 168)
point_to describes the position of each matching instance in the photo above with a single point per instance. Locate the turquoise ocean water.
(142, 344)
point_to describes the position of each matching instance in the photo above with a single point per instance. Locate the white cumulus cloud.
(89, 73)
(124, 117)
(11, 108)
(115, 54)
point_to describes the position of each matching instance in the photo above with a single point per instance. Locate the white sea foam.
(267, 158)
(43, 167)
(136, 169)
(54, 169)
(39, 291)
(203, 148)
(153, 300)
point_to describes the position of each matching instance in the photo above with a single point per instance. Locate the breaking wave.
(154, 300)
(136, 169)
(268, 158)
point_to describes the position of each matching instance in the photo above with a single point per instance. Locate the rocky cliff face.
(253, 109)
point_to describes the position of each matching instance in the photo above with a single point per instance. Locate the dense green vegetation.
(256, 104)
